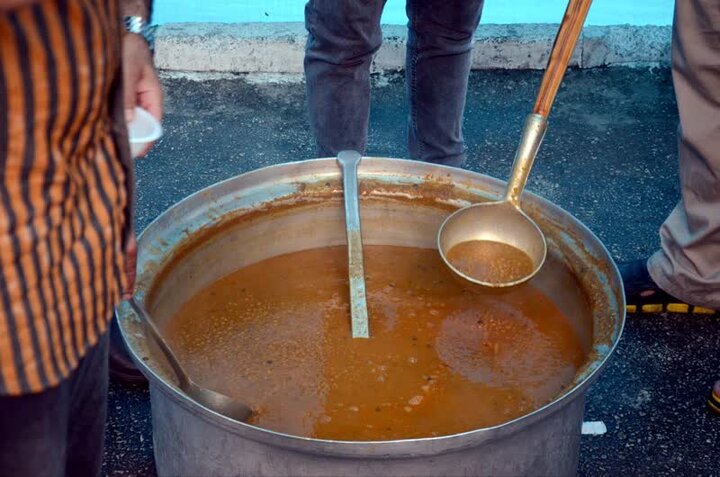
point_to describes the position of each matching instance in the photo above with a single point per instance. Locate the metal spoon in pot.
(498, 244)
(212, 400)
(349, 161)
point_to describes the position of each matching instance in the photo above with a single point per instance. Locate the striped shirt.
(63, 194)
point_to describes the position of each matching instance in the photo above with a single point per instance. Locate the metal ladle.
(212, 400)
(504, 221)
(349, 161)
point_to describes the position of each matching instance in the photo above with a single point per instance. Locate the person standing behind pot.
(344, 35)
(66, 239)
(684, 275)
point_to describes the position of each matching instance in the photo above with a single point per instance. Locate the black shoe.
(642, 295)
(713, 401)
(122, 368)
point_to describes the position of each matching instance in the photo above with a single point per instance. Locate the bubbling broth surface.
(440, 360)
(490, 262)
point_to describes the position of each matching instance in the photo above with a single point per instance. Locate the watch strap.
(138, 25)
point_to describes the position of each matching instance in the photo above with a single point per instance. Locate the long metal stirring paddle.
(212, 400)
(349, 161)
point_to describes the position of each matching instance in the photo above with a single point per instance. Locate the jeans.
(343, 35)
(58, 432)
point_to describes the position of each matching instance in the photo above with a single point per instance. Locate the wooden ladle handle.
(562, 50)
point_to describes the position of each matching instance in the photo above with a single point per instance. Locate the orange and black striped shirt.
(63, 193)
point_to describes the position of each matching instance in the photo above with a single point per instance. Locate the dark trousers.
(343, 35)
(58, 432)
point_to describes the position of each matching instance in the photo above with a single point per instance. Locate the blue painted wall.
(603, 12)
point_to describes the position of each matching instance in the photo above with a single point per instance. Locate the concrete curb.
(277, 48)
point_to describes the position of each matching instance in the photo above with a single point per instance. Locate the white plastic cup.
(143, 130)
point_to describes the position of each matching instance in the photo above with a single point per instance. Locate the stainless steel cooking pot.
(297, 206)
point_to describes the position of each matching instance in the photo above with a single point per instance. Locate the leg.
(342, 37)
(121, 366)
(33, 431)
(88, 410)
(60, 431)
(688, 264)
(439, 55)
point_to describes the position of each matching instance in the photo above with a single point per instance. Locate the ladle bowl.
(219, 403)
(495, 222)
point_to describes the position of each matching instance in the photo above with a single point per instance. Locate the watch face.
(134, 24)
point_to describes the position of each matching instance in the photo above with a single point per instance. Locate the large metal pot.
(296, 206)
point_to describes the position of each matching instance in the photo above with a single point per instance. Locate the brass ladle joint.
(532, 137)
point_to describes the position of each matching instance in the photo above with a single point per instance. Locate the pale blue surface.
(603, 12)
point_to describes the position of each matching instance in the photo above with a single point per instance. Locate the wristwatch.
(138, 25)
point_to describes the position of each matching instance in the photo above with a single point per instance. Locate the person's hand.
(130, 267)
(140, 81)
